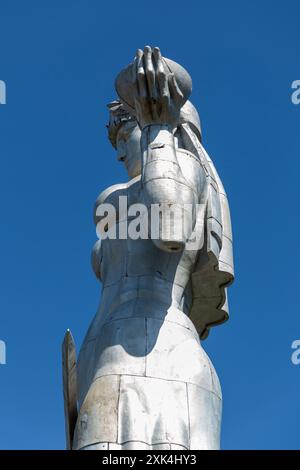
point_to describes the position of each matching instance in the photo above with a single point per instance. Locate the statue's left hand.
(158, 98)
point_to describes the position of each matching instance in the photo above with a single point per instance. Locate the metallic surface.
(69, 386)
(144, 380)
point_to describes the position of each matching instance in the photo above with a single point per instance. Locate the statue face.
(129, 147)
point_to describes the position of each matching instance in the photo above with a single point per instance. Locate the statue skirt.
(146, 383)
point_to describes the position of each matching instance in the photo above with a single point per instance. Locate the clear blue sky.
(59, 60)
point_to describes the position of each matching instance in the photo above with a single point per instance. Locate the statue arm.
(158, 102)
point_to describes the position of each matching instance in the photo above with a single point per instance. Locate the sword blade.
(69, 386)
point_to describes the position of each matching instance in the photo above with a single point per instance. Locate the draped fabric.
(213, 271)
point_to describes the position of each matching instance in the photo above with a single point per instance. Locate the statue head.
(125, 136)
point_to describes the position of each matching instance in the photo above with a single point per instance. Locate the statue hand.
(158, 98)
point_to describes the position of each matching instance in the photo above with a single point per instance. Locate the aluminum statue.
(164, 258)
